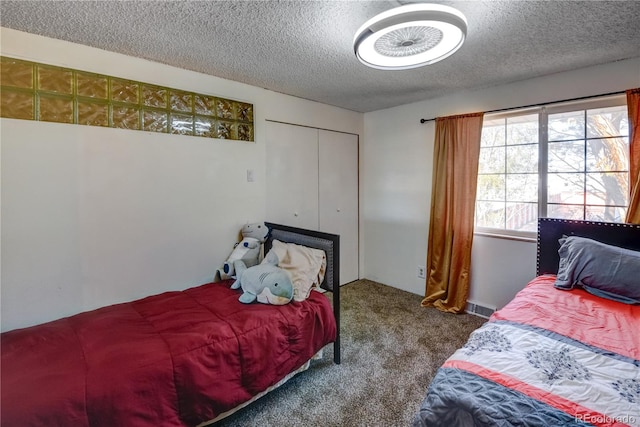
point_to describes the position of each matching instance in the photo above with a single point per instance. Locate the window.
(34, 91)
(563, 161)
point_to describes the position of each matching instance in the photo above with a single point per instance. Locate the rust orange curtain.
(453, 198)
(633, 106)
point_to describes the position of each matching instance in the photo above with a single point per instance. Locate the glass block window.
(33, 91)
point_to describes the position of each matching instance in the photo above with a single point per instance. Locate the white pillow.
(306, 266)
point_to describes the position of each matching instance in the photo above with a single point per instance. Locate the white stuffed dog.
(247, 250)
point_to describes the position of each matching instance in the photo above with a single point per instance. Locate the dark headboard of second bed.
(551, 229)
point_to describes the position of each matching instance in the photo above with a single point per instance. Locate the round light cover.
(410, 36)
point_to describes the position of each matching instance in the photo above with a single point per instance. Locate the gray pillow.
(603, 270)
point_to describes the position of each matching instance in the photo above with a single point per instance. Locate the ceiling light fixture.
(410, 36)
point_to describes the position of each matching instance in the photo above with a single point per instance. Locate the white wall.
(94, 216)
(397, 162)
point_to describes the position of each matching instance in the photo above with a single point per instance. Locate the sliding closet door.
(338, 194)
(312, 182)
(292, 175)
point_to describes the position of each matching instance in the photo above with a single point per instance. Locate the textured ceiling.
(304, 48)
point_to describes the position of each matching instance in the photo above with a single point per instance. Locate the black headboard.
(551, 229)
(330, 244)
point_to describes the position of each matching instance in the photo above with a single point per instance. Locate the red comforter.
(174, 359)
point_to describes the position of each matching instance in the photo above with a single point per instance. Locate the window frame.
(543, 113)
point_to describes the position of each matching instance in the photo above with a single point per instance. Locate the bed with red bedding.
(174, 359)
(550, 357)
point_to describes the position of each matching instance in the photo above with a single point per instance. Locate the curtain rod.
(541, 104)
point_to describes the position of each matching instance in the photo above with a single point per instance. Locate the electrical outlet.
(422, 272)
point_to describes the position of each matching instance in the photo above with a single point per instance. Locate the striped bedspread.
(549, 358)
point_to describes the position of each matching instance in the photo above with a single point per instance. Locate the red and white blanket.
(550, 357)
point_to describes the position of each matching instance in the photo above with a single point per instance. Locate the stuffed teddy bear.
(247, 250)
(264, 282)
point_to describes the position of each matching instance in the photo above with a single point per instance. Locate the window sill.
(494, 235)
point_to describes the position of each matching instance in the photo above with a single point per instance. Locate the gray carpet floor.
(391, 349)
